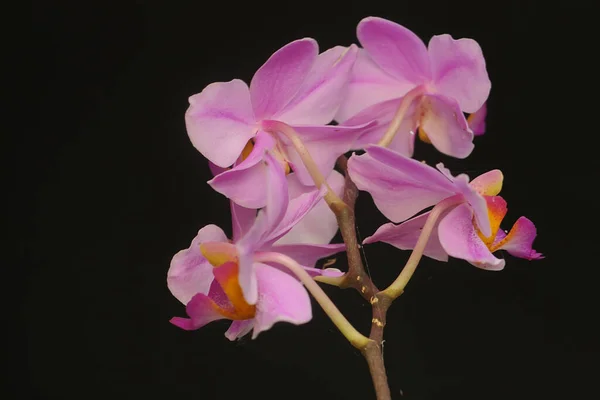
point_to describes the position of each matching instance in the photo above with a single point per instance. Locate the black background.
(112, 188)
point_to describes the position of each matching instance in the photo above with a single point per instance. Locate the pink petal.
(241, 220)
(397, 50)
(459, 238)
(281, 298)
(244, 183)
(489, 183)
(476, 120)
(237, 329)
(446, 126)
(459, 71)
(201, 311)
(369, 85)
(382, 114)
(319, 226)
(400, 186)
(519, 240)
(405, 236)
(190, 273)
(325, 144)
(220, 121)
(323, 90)
(308, 254)
(279, 78)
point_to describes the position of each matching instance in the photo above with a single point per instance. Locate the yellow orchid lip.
(219, 253)
(228, 280)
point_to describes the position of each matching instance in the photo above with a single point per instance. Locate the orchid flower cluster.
(272, 147)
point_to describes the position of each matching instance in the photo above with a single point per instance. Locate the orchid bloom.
(218, 279)
(234, 125)
(470, 230)
(433, 84)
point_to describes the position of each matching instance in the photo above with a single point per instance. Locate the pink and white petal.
(278, 80)
(319, 226)
(459, 239)
(220, 121)
(368, 85)
(281, 299)
(215, 169)
(308, 254)
(201, 310)
(242, 219)
(382, 114)
(190, 273)
(244, 183)
(397, 193)
(488, 183)
(323, 90)
(325, 144)
(405, 236)
(459, 71)
(237, 329)
(395, 49)
(476, 120)
(519, 241)
(446, 126)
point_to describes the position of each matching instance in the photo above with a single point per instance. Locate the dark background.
(112, 188)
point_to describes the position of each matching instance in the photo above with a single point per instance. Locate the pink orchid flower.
(232, 124)
(469, 230)
(436, 84)
(218, 278)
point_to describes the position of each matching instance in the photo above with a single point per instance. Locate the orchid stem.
(399, 116)
(357, 339)
(397, 287)
(307, 160)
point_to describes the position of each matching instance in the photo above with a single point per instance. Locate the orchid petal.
(459, 71)
(237, 329)
(382, 114)
(489, 183)
(368, 85)
(323, 90)
(396, 49)
(325, 144)
(281, 298)
(476, 120)
(320, 225)
(518, 242)
(279, 78)
(459, 238)
(446, 126)
(220, 121)
(241, 220)
(400, 186)
(405, 236)
(201, 310)
(190, 273)
(243, 184)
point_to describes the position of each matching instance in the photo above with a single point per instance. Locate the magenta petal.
(459, 71)
(459, 238)
(277, 81)
(397, 50)
(244, 183)
(323, 90)
(201, 312)
(325, 144)
(308, 254)
(446, 126)
(282, 298)
(190, 273)
(477, 120)
(369, 85)
(241, 220)
(405, 236)
(399, 185)
(319, 226)
(382, 114)
(220, 121)
(237, 329)
(520, 240)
